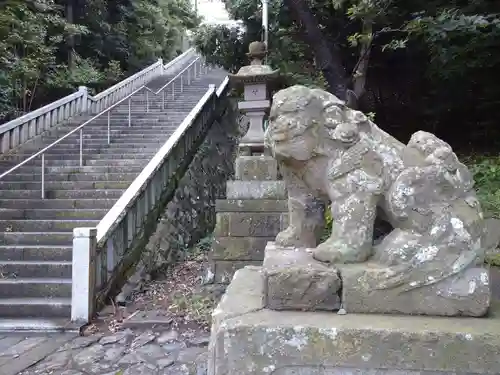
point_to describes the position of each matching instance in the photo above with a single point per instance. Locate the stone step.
(137, 131)
(117, 140)
(52, 214)
(35, 307)
(63, 185)
(62, 194)
(36, 238)
(75, 155)
(49, 225)
(102, 149)
(35, 269)
(103, 134)
(32, 288)
(78, 169)
(35, 253)
(6, 164)
(103, 139)
(58, 204)
(117, 127)
(29, 177)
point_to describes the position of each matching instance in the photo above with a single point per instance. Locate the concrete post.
(85, 97)
(83, 274)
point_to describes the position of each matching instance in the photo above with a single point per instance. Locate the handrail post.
(182, 83)
(129, 110)
(43, 176)
(194, 68)
(173, 89)
(85, 95)
(81, 147)
(109, 127)
(83, 274)
(163, 100)
(147, 100)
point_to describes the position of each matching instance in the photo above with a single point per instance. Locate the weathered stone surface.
(249, 224)
(224, 270)
(306, 287)
(124, 352)
(249, 340)
(295, 281)
(330, 153)
(256, 190)
(239, 248)
(190, 215)
(244, 294)
(256, 168)
(467, 293)
(252, 205)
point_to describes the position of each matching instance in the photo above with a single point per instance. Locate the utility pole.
(265, 22)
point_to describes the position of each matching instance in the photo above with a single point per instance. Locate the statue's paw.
(286, 238)
(327, 255)
(332, 251)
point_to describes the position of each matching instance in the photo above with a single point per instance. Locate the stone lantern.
(256, 208)
(254, 79)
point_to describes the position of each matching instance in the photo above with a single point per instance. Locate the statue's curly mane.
(304, 108)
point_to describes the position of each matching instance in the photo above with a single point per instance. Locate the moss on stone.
(493, 259)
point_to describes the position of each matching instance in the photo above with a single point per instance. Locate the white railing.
(102, 254)
(24, 128)
(187, 74)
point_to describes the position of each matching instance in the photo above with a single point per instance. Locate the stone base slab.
(467, 294)
(248, 339)
(224, 270)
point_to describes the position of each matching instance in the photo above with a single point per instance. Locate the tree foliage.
(49, 47)
(429, 65)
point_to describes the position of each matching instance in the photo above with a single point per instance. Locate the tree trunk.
(71, 38)
(329, 63)
(361, 69)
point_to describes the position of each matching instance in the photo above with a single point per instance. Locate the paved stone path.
(127, 352)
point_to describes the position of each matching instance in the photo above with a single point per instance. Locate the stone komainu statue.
(330, 153)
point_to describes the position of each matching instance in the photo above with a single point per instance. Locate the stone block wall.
(254, 212)
(190, 215)
(244, 226)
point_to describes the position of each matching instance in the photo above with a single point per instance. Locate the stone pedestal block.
(256, 168)
(255, 211)
(249, 339)
(243, 228)
(296, 282)
(467, 294)
(256, 190)
(250, 224)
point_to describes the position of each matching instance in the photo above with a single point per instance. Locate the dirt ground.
(178, 299)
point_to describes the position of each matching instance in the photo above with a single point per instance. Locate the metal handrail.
(112, 217)
(108, 111)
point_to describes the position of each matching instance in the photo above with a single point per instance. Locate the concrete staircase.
(36, 233)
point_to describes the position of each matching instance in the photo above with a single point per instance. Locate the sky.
(213, 11)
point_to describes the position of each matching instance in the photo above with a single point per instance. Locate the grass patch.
(486, 172)
(193, 307)
(493, 259)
